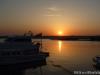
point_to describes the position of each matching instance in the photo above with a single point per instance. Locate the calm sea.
(66, 57)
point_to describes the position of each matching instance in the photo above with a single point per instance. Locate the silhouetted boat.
(20, 50)
(97, 62)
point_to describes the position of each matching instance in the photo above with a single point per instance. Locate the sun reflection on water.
(60, 45)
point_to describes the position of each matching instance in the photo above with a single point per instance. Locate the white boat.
(20, 49)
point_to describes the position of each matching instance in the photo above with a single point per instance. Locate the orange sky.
(72, 17)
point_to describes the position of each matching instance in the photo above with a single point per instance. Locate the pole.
(41, 41)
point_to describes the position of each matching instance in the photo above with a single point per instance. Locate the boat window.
(18, 53)
(13, 53)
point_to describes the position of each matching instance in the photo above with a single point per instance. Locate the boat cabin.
(19, 46)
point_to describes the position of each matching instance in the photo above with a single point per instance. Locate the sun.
(60, 33)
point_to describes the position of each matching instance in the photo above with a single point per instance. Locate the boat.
(96, 61)
(20, 50)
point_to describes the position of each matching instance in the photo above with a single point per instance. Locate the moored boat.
(20, 49)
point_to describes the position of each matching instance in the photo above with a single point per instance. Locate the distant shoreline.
(74, 38)
(66, 38)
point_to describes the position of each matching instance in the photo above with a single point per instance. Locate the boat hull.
(7, 60)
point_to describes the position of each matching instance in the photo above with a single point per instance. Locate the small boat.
(96, 60)
(20, 49)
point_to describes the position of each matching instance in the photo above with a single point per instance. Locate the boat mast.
(41, 41)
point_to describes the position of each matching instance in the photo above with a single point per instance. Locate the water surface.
(68, 56)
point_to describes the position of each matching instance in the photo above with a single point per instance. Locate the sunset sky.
(69, 17)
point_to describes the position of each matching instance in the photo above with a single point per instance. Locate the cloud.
(52, 9)
(52, 12)
(52, 15)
